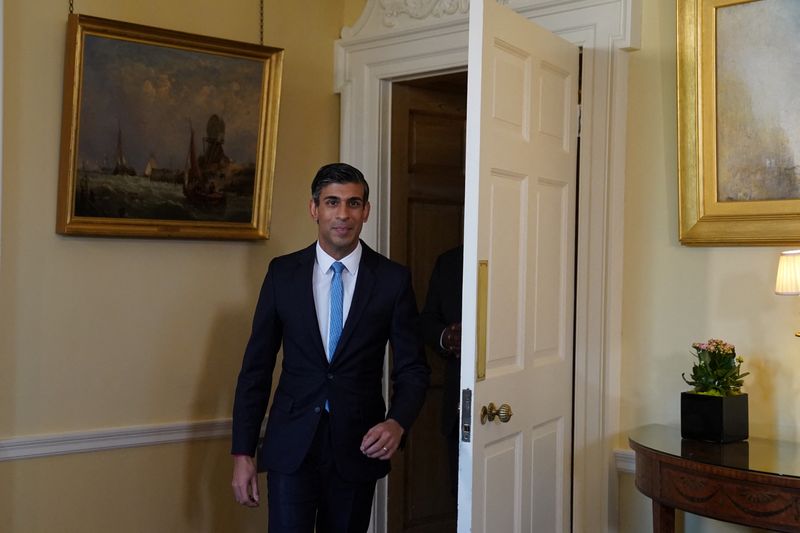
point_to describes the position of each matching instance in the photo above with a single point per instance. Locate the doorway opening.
(426, 218)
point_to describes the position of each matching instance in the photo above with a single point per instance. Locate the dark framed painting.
(166, 134)
(738, 122)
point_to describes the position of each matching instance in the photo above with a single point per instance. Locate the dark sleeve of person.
(432, 317)
(255, 378)
(410, 371)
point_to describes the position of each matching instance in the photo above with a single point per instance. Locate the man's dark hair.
(337, 173)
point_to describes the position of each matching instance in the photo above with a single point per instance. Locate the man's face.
(340, 214)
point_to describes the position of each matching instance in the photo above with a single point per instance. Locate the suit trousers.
(316, 495)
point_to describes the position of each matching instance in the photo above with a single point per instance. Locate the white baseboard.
(625, 461)
(110, 439)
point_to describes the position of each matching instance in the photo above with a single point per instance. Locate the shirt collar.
(350, 261)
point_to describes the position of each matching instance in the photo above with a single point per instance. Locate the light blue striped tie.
(337, 308)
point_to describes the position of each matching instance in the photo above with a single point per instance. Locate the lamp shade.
(788, 279)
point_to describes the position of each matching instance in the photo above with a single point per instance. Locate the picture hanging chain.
(71, 7)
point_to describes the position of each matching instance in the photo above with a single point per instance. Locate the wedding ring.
(385, 449)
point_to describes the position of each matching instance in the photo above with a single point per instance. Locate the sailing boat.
(121, 167)
(196, 188)
(150, 167)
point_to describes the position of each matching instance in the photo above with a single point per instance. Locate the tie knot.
(337, 267)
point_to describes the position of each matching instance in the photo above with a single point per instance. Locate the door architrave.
(395, 40)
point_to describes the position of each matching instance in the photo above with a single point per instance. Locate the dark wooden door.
(426, 218)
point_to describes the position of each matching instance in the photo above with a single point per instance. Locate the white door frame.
(401, 39)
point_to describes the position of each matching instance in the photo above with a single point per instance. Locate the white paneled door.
(519, 257)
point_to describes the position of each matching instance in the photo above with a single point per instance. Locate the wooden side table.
(754, 483)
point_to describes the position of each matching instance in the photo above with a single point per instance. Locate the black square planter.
(714, 418)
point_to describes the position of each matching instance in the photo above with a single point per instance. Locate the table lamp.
(788, 279)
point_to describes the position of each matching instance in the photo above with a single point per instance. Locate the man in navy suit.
(333, 307)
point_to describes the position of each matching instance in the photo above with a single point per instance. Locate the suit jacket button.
(330, 376)
(317, 409)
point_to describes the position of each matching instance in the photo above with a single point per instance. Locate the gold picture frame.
(737, 181)
(166, 134)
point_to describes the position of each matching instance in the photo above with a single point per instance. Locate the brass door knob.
(491, 412)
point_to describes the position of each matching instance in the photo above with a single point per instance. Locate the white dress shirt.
(323, 274)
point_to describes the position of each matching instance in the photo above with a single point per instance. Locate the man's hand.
(382, 440)
(245, 481)
(451, 339)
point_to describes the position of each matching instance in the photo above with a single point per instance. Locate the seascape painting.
(166, 133)
(757, 104)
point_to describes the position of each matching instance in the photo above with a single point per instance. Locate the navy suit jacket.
(442, 308)
(383, 309)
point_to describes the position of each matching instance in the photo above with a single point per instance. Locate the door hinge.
(580, 119)
(466, 415)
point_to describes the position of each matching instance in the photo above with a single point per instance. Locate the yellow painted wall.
(352, 11)
(674, 295)
(104, 333)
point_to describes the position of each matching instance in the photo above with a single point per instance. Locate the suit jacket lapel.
(364, 285)
(304, 277)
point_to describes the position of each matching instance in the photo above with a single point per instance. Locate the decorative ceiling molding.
(422, 9)
(380, 18)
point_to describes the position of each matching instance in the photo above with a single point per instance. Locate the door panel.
(503, 465)
(508, 209)
(520, 217)
(546, 456)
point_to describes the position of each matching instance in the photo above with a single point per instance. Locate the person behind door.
(441, 328)
(332, 306)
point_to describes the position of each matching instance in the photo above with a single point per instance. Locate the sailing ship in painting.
(121, 167)
(154, 172)
(209, 186)
(201, 182)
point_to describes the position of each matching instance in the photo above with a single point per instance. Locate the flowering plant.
(717, 371)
